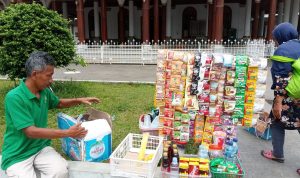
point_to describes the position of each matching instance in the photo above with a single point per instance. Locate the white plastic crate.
(124, 160)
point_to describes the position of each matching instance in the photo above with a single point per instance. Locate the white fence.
(135, 53)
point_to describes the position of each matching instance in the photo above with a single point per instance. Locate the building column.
(156, 21)
(163, 22)
(262, 23)
(210, 20)
(169, 20)
(287, 10)
(295, 12)
(121, 25)
(145, 29)
(218, 19)
(256, 20)
(103, 21)
(80, 20)
(96, 20)
(248, 18)
(280, 12)
(53, 4)
(65, 9)
(271, 20)
(131, 19)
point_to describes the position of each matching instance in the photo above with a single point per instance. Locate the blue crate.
(266, 136)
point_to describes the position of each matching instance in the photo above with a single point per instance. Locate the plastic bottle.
(174, 167)
(229, 151)
(203, 151)
(165, 164)
(176, 154)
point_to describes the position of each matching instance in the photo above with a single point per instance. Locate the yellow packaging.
(248, 110)
(249, 97)
(194, 160)
(251, 85)
(252, 73)
(184, 160)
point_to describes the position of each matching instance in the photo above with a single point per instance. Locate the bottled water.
(203, 151)
(229, 151)
(174, 168)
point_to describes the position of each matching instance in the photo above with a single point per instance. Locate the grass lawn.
(126, 102)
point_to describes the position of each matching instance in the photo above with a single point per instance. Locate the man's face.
(43, 79)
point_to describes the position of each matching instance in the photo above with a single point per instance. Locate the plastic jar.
(215, 151)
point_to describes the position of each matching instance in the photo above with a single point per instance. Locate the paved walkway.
(249, 146)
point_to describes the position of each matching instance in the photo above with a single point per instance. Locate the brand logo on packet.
(97, 150)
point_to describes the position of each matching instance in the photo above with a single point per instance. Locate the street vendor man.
(27, 139)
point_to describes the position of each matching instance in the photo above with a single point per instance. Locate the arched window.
(228, 32)
(189, 17)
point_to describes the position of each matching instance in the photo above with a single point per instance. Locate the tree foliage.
(25, 28)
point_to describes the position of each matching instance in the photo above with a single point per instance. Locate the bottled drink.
(174, 168)
(166, 163)
(175, 151)
(229, 152)
(203, 151)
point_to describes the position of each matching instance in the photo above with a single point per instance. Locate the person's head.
(284, 32)
(40, 68)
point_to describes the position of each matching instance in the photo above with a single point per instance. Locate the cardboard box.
(96, 146)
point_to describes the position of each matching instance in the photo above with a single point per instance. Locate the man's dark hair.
(38, 61)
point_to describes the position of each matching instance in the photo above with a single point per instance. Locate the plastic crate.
(124, 162)
(229, 175)
(266, 136)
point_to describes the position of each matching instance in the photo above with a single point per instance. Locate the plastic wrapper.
(204, 97)
(249, 109)
(190, 58)
(230, 77)
(240, 91)
(191, 102)
(178, 56)
(205, 59)
(214, 86)
(263, 63)
(229, 105)
(241, 60)
(169, 112)
(240, 99)
(204, 109)
(221, 84)
(238, 111)
(168, 122)
(160, 91)
(162, 54)
(190, 71)
(251, 85)
(230, 92)
(262, 76)
(259, 105)
(214, 75)
(249, 97)
(170, 55)
(252, 73)
(177, 99)
(260, 90)
(228, 60)
(177, 116)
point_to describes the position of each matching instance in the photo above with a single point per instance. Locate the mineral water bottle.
(203, 151)
(174, 168)
(229, 151)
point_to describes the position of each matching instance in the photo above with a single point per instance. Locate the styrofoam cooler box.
(96, 146)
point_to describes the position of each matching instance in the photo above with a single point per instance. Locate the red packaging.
(194, 169)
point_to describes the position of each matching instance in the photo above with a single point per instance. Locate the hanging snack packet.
(259, 105)
(238, 112)
(190, 58)
(252, 73)
(230, 92)
(229, 105)
(160, 91)
(240, 91)
(204, 109)
(177, 99)
(260, 90)
(214, 86)
(249, 97)
(249, 109)
(177, 116)
(262, 76)
(251, 85)
(230, 77)
(185, 118)
(240, 76)
(204, 97)
(240, 99)
(228, 60)
(170, 55)
(176, 67)
(221, 84)
(241, 60)
(175, 82)
(178, 56)
(176, 134)
(215, 75)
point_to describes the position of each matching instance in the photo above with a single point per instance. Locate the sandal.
(298, 171)
(269, 155)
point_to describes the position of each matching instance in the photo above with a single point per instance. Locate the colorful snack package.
(238, 111)
(220, 98)
(198, 136)
(240, 91)
(191, 102)
(240, 99)
(214, 86)
(176, 135)
(169, 112)
(230, 77)
(221, 84)
(185, 118)
(176, 67)
(168, 103)
(192, 114)
(170, 55)
(218, 58)
(228, 60)
(252, 73)
(213, 97)
(184, 136)
(178, 55)
(177, 116)
(206, 85)
(251, 85)
(190, 58)
(177, 99)
(249, 97)
(249, 109)
(247, 121)
(219, 110)
(230, 92)
(214, 75)
(229, 105)
(185, 127)
(168, 65)
(168, 122)
(175, 82)
(183, 70)
(223, 74)
(190, 71)
(204, 97)
(160, 91)
(241, 60)
(168, 74)
(212, 110)
(207, 138)
(204, 109)
(206, 73)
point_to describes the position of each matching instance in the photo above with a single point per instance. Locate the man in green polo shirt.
(26, 144)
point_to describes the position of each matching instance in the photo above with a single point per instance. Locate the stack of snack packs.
(160, 78)
(255, 90)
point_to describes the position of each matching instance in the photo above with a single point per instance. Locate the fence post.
(102, 51)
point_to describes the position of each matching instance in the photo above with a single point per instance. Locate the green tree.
(25, 28)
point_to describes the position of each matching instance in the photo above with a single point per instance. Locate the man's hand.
(277, 107)
(77, 131)
(88, 100)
